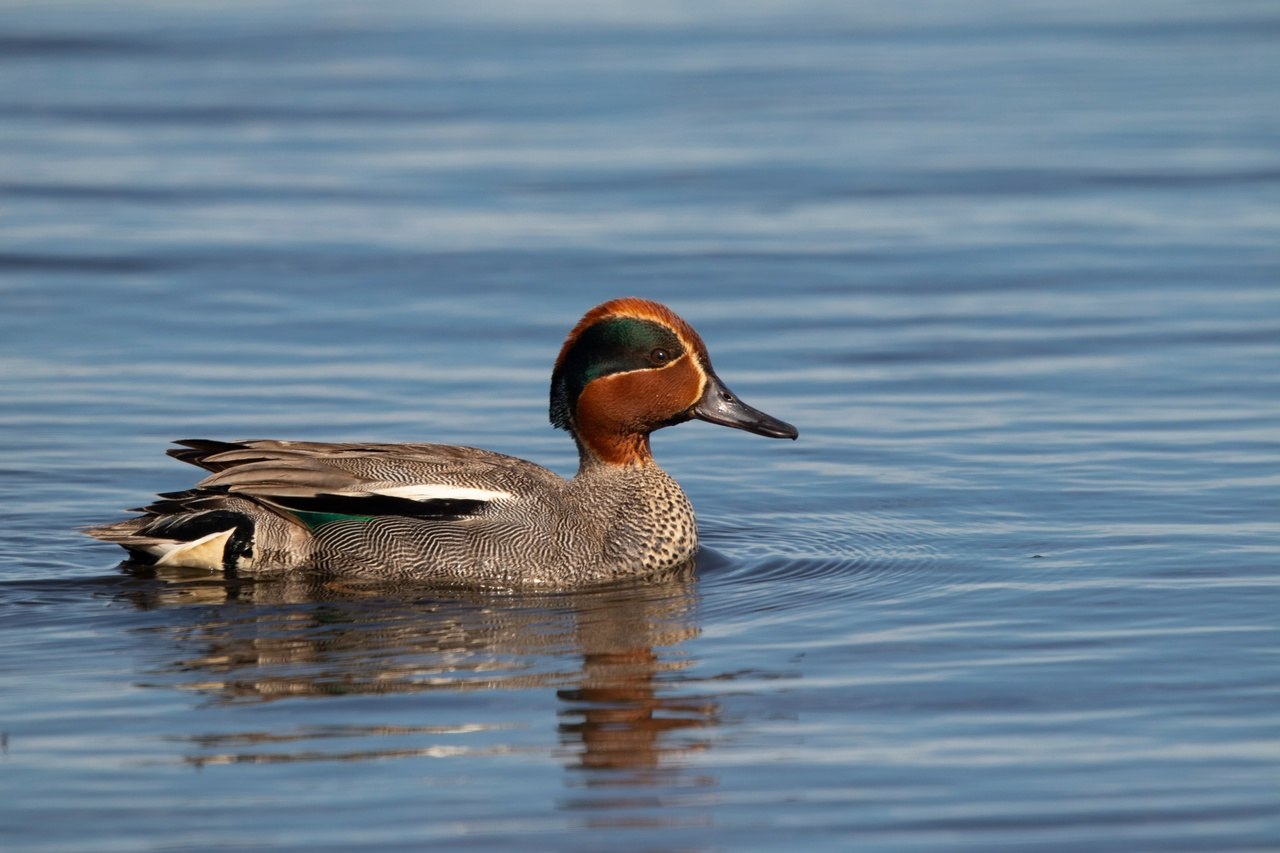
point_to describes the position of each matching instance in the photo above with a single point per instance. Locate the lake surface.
(1013, 270)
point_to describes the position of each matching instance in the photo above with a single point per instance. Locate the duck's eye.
(659, 356)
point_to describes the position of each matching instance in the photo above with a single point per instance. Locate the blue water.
(1013, 269)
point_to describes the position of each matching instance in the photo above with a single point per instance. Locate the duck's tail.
(183, 533)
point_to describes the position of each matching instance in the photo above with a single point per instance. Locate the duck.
(461, 515)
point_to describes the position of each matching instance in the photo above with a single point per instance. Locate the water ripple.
(807, 560)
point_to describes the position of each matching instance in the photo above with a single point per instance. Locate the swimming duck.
(462, 515)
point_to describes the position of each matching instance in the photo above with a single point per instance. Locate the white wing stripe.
(439, 492)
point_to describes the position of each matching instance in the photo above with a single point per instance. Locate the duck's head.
(631, 366)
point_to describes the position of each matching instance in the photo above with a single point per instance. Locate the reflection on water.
(297, 637)
(253, 747)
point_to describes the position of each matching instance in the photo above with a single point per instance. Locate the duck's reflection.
(612, 656)
(618, 712)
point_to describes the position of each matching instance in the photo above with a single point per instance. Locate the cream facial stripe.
(702, 373)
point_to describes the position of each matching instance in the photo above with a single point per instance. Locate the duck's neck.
(629, 450)
(616, 450)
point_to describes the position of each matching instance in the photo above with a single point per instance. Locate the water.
(1011, 268)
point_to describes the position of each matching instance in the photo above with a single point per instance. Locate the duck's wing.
(258, 485)
(365, 479)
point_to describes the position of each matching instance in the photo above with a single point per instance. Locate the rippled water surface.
(1013, 269)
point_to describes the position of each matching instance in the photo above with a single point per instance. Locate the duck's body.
(432, 511)
(459, 514)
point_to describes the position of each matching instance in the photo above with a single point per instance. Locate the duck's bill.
(721, 406)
